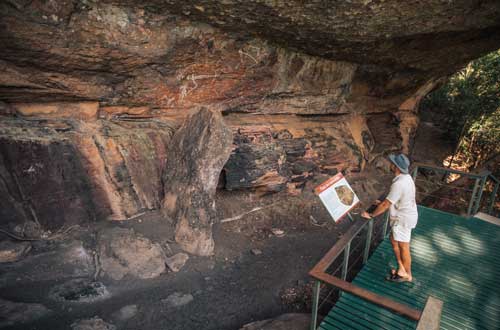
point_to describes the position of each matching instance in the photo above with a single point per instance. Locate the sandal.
(397, 278)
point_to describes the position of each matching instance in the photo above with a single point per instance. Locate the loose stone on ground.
(256, 252)
(178, 299)
(80, 291)
(278, 232)
(94, 323)
(292, 321)
(125, 313)
(176, 262)
(17, 313)
(13, 251)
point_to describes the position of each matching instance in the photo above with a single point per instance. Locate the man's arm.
(381, 208)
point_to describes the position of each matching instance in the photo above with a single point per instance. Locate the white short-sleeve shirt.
(402, 197)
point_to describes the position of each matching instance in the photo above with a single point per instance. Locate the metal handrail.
(494, 178)
(479, 185)
(445, 169)
(343, 245)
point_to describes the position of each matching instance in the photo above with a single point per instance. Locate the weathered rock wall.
(93, 91)
(61, 171)
(57, 170)
(274, 153)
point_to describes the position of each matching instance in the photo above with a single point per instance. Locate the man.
(403, 215)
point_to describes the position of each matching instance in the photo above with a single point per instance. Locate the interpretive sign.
(337, 196)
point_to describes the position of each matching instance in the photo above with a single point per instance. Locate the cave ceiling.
(252, 53)
(408, 34)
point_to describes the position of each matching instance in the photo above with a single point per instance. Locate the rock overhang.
(360, 31)
(239, 55)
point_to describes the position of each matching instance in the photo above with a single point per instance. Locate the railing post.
(345, 263)
(368, 241)
(386, 223)
(350, 216)
(472, 198)
(492, 198)
(415, 172)
(478, 199)
(315, 303)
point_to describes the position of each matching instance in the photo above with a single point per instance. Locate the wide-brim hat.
(401, 161)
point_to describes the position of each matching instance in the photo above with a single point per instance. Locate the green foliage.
(470, 108)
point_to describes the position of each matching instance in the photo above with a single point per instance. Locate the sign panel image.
(337, 196)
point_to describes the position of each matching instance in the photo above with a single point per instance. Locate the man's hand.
(381, 208)
(366, 215)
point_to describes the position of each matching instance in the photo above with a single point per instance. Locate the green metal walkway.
(455, 259)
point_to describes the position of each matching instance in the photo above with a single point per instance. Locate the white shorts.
(401, 233)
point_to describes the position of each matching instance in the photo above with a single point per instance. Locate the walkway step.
(487, 218)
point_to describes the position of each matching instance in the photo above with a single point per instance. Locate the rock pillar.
(197, 153)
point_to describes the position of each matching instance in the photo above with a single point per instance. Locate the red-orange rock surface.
(68, 171)
(309, 58)
(92, 92)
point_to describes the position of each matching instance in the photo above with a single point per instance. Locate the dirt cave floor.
(254, 274)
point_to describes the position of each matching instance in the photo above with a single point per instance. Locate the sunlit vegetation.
(469, 109)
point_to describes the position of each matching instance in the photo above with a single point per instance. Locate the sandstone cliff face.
(93, 92)
(56, 170)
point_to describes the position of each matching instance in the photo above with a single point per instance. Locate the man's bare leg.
(401, 271)
(404, 249)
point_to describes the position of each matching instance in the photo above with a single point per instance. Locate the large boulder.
(199, 150)
(123, 252)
